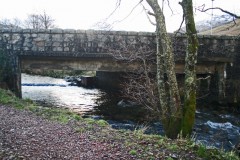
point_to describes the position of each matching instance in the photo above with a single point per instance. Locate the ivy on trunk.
(176, 118)
(189, 106)
(169, 97)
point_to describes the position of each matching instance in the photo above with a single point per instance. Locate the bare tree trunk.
(189, 107)
(171, 109)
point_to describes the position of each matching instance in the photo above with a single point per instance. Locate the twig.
(149, 13)
(204, 78)
(218, 8)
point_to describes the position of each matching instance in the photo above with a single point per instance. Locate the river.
(218, 128)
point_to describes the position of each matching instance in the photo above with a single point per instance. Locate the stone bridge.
(96, 50)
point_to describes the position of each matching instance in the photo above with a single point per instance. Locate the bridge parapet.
(211, 48)
(91, 43)
(73, 42)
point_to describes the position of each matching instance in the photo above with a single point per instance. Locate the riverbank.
(28, 131)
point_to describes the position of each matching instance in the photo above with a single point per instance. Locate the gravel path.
(24, 135)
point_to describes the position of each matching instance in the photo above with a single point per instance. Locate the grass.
(230, 29)
(137, 144)
(133, 152)
(102, 123)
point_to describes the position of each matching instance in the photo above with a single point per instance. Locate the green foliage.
(77, 117)
(133, 152)
(188, 113)
(33, 108)
(61, 115)
(89, 120)
(213, 153)
(80, 130)
(102, 123)
(8, 98)
(202, 151)
(56, 114)
(173, 147)
(161, 142)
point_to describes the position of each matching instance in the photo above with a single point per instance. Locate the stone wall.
(67, 42)
(80, 43)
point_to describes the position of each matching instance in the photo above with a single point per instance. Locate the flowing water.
(218, 128)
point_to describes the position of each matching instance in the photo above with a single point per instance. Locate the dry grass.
(230, 29)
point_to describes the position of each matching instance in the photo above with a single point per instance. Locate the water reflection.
(108, 106)
(56, 92)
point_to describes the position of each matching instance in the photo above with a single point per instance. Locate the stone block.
(56, 31)
(24, 31)
(69, 31)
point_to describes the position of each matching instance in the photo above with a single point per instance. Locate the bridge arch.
(88, 50)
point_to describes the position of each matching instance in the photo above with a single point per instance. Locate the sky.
(85, 14)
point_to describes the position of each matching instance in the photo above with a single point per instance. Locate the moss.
(80, 130)
(8, 98)
(133, 152)
(77, 117)
(102, 123)
(189, 114)
(89, 120)
(202, 151)
(173, 147)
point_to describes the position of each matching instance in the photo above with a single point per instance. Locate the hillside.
(229, 29)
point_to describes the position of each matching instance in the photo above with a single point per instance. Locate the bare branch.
(163, 5)
(204, 78)
(118, 3)
(140, 86)
(39, 21)
(147, 12)
(46, 21)
(218, 8)
(110, 26)
(150, 13)
(33, 21)
(183, 19)
(204, 96)
(178, 31)
(169, 6)
(10, 23)
(130, 11)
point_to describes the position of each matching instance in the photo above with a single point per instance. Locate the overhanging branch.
(218, 8)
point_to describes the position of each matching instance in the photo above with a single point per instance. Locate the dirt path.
(24, 135)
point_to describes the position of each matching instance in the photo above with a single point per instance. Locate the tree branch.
(178, 31)
(218, 8)
(147, 12)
